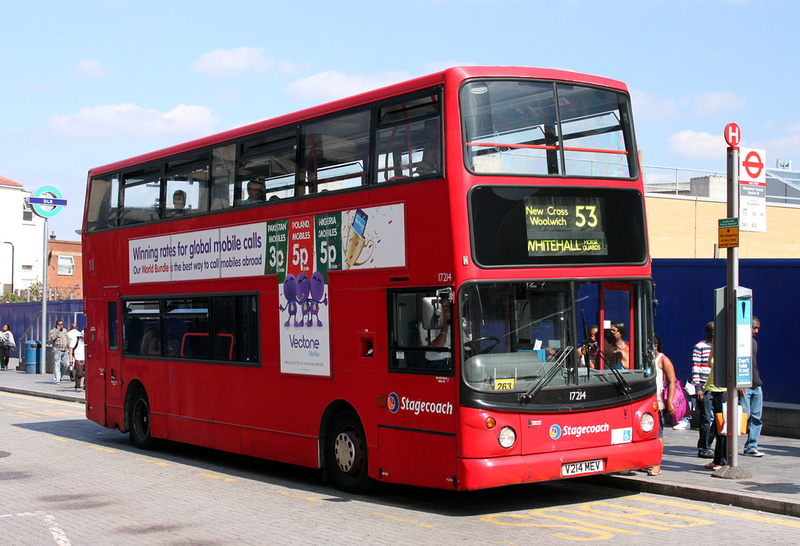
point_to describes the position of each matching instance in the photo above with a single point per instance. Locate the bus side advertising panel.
(301, 251)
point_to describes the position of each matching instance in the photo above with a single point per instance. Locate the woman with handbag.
(665, 380)
(6, 344)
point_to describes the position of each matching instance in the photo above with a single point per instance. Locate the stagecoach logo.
(557, 432)
(393, 403)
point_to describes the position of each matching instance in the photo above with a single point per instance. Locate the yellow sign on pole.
(728, 233)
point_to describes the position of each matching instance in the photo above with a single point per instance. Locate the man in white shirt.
(77, 356)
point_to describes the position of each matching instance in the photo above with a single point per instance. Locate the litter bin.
(33, 353)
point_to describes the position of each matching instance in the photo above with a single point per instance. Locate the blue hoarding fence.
(685, 293)
(24, 321)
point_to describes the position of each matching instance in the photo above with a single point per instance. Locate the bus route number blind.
(564, 226)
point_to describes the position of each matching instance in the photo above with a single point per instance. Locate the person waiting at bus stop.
(60, 342)
(752, 401)
(719, 397)
(701, 354)
(665, 391)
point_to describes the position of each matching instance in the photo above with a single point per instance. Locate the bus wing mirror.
(432, 313)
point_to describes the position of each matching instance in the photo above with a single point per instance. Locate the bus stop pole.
(730, 309)
(44, 303)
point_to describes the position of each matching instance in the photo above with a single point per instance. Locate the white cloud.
(794, 128)
(716, 102)
(289, 68)
(783, 148)
(332, 85)
(692, 144)
(224, 63)
(130, 120)
(650, 108)
(93, 68)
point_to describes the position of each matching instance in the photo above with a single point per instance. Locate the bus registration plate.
(583, 467)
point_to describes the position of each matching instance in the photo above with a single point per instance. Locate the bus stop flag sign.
(47, 201)
(752, 190)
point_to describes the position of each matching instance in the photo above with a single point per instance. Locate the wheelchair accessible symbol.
(47, 201)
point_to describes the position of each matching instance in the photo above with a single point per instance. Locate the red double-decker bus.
(444, 283)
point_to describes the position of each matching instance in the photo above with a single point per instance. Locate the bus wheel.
(140, 421)
(347, 453)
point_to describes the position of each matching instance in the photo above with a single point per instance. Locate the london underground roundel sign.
(47, 201)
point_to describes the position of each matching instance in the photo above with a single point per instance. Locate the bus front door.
(103, 387)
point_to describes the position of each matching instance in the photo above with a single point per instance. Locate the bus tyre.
(140, 421)
(347, 453)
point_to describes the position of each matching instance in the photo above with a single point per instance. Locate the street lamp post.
(12, 263)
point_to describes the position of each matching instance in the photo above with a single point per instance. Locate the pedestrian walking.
(60, 342)
(77, 357)
(7, 343)
(72, 335)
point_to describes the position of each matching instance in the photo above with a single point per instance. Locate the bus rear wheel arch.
(346, 453)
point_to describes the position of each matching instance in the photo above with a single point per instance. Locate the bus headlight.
(507, 437)
(648, 422)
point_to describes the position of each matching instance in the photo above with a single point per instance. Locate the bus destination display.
(565, 226)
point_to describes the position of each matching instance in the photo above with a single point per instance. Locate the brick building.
(683, 220)
(64, 269)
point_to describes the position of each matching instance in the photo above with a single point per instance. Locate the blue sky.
(88, 82)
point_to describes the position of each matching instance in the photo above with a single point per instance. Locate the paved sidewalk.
(774, 485)
(12, 380)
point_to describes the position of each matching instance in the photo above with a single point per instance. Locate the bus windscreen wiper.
(622, 385)
(551, 373)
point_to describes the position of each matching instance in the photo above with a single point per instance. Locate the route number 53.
(585, 216)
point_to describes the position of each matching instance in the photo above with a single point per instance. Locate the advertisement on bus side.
(301, 251)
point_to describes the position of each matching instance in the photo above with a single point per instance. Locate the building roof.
(8, 182)
(64, 246)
